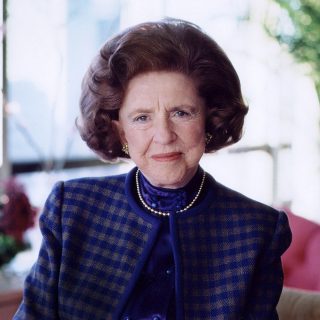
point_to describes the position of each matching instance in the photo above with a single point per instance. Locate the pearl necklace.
(165, 214)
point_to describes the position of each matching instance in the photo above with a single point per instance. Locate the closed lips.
(166, 156)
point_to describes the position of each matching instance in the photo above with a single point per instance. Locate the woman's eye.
(141, 118)
(181, 114)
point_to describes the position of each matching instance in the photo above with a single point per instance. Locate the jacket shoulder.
(85, 197)
(95, 183)
(236, 209)
(231, 199)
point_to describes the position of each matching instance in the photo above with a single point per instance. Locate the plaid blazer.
(96, 240)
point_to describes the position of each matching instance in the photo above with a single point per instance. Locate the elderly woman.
(164, 241)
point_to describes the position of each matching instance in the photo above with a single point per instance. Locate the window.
(50, 44)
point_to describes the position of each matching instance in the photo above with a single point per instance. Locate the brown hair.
(167, 45)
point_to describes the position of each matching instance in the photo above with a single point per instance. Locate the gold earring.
(208, 138)
(125, 149)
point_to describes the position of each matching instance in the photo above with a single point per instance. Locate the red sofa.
(301, 262)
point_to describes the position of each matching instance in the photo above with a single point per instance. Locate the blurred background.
(273, 44)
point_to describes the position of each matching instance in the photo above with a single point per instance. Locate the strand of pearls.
(165, 214)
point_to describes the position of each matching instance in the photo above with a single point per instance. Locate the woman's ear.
(120, 130)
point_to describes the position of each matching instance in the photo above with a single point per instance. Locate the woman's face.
(162, 119)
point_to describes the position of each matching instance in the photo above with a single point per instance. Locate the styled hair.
(167, 45)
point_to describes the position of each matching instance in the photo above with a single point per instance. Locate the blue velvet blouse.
(154, 295)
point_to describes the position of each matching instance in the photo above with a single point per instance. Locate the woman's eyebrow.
(139, 110)
(190, 107)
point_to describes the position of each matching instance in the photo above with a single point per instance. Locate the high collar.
(169, 200)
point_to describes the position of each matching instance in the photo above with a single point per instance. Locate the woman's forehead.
(161, 87)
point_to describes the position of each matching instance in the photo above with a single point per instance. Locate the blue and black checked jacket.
(96, 239)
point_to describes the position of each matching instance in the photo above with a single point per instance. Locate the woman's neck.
(169, 200)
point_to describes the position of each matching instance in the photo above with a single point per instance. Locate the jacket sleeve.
(268, 280)
(40, 296)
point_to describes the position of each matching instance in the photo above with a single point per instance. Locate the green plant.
(9, 247)
(16, 216)
(297, 25)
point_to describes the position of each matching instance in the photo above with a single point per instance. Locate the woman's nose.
(164, 131)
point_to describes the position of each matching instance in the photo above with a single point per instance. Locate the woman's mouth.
(162, 157)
